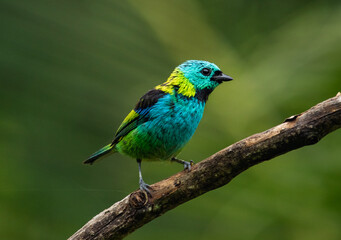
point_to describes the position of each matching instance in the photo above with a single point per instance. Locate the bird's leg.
(143, 186)
(187, 165)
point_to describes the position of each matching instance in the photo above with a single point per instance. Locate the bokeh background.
(71, 71)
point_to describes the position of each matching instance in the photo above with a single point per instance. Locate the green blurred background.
(72, 70)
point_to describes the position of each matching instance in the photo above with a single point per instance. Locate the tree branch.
(137, 208)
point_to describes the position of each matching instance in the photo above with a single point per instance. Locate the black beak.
(220, 77)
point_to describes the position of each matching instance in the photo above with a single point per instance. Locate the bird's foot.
(188, 165)
(145, 187)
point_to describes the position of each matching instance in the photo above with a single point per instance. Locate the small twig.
(137, 209)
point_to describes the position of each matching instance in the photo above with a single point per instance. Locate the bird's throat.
(202, 94)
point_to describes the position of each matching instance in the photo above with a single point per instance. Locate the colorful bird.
(166, 117)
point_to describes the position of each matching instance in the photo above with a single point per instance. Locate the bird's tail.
(104, 151)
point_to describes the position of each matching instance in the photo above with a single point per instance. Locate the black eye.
(206, 71)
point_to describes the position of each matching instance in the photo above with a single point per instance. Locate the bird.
(166, 117)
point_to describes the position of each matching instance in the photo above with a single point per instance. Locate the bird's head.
(203, 74)
(194, 78)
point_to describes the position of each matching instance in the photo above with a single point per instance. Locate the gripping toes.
(188, 165)
(144, 186)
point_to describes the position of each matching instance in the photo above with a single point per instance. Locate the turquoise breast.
(171, 124)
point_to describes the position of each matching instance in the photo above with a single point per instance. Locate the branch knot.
(138, 199)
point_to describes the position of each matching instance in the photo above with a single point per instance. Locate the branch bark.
(137, 208)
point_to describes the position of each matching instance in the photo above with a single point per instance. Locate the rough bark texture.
(137, 209)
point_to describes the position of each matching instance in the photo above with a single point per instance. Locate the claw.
(188, 165)
(144, 187)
